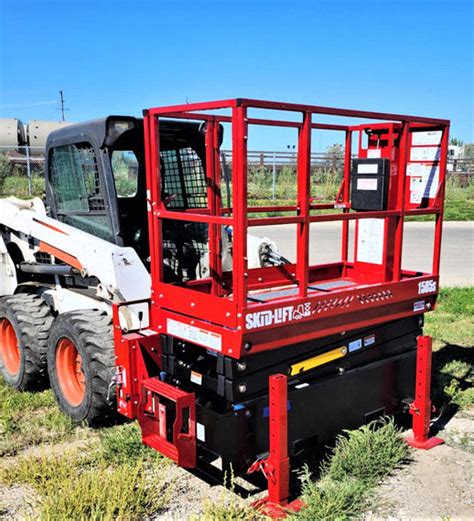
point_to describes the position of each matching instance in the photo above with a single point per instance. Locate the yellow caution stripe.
(318, 360)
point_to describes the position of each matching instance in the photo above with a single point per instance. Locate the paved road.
(457, 253)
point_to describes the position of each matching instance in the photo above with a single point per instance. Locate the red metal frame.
(153, 418)
(276, 468)
(220, 305)
(421, 407)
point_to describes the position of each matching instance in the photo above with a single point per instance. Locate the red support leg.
(276, 467)
(421, 407)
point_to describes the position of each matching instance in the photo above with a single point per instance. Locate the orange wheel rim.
(70, 372)
(9, 347)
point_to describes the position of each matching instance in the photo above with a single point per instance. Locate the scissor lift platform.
(346, 329)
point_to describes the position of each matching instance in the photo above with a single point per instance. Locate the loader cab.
(96, 182)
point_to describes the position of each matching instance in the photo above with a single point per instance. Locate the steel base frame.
(421, 407)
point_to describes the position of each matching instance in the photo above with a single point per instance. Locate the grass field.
(74, 472)
(459, 204)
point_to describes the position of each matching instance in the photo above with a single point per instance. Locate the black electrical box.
(369, 186)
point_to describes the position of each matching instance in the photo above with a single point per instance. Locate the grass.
(361, 458)
(452, 327)
(30, 419)
(74, 485)
(459, 203)
(122, 443)
(109, 475)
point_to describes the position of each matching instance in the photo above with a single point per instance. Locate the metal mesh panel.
(194, 178)
(184, 179)
(173, 187)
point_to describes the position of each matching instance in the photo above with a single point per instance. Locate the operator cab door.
(77, 191)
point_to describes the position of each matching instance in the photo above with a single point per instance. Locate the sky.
(121, 56)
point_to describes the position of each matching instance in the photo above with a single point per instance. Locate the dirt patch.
(17, 502)
(436, 484)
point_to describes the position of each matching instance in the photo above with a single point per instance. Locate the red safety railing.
(204, 299)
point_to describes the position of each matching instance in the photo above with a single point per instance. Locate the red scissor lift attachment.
(243, 312)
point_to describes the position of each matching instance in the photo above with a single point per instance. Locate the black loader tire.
(31, 319)
(91, 333)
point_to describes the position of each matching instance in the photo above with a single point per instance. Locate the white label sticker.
(426, 286)
(425, 153)
(301, 386)
(200, 432)
(196, 378)
(370, 240)
(366, 184)
(374, 153)
(148, 332)
(371, 168)
(430, 137)
(424, 181)
(194, 334)
(419, 305)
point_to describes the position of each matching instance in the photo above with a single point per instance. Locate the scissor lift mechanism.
(246, 312)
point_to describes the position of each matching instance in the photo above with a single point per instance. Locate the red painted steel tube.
(303, 197)
(193, 217)
(352, 216)
(346, 195)
(421, 407)
(279, 487)
(212, 201)
(317, 109)
(239, 203)
(154, 183)
(402, 169)
(191, 107)
(295, 124)
(294, 107)
(439, 218)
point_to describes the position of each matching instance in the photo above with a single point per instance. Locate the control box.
(370, 180)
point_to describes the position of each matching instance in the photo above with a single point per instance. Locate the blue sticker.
(355, 345)
(369, 340)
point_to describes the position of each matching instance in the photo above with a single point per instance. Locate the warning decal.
(430, 137)
(425, 154)
(424, 181)
(194, 334)
(370, 240)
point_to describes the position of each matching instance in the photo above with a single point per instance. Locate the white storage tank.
(37, 132)
(12, 135)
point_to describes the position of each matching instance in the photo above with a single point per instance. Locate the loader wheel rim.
(9, 348)
(70, 372)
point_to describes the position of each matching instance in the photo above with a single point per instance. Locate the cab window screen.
(77, 188)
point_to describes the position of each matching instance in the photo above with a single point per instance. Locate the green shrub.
(366, 454)
(360, 459)
(330, 500)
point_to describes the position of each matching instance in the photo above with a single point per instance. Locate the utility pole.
(62, 109)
